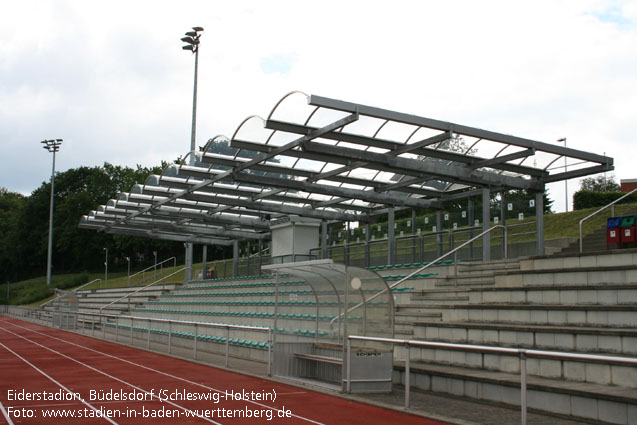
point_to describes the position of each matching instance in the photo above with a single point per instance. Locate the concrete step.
(541, 314)
(611, 258)
(556, 294)
(125, 290)
(570, 370)
(622, 341)
(582, 275)
(616, 405)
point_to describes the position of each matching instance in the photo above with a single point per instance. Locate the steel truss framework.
(330, 160)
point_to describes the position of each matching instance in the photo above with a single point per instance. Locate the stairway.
(592, 242)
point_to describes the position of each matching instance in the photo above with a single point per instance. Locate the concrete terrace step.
(594, 275)
(584, 339)
(557, 294)
(610, 258)
(559, 314)
(610, 404)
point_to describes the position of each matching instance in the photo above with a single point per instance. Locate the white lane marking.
(5, 414)
(159, 371)
(53, 379)
(108, 375)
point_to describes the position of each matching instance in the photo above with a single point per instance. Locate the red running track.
(75, 379)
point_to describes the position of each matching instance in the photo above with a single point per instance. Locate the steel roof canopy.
(332, 160)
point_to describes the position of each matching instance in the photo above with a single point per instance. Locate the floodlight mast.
(52, 145)
(192, 43)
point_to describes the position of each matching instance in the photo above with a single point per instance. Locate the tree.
(600, 184)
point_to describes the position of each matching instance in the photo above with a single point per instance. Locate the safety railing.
(86, 284)
(612, 205)
(73, 317)
(154, 268)
(142, 288)
(453, 252)
(519, 352)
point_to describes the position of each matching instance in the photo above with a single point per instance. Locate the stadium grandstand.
(457, 322)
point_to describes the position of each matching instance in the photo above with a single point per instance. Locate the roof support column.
(188, 261)
(391, 241)
(439, 230)
(368, 260)
(323, 239)
(486, 220)
(470, 223)
(539, 222)
(204, 261)
(235, 258)
(503, 214)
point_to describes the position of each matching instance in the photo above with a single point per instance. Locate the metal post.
(523, 385)
(227, 345)
(368, 259)
(204, 261)
(407, 376)
(170, 336)
(391, 240)
(148, 336)
(348, 372)
(116, 328)
(132, 326)
(470, 218)
(269, 352)
(439, 230)
(195, 344)
(235, 258)
(128, 261)
(486, 219)
(539, 222)
(188, 261)
(347, 242)
(106, 269)
(323, 239)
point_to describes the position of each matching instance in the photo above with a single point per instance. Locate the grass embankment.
(35, 292)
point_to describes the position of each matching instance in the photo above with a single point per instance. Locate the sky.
(111, 79)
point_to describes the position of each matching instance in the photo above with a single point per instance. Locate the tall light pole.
(563, 139)
(53, 146)
(128, 261)
(192, 43)
(106, 268)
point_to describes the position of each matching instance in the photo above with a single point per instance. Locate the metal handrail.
(520, 352)
(86, 284)
(612, 204)
(142, 288)
(155, 265)
(432, 263)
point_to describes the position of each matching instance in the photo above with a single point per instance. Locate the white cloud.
(111, 78)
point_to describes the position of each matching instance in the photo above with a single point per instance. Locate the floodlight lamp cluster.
(192, 39)
(52, 145)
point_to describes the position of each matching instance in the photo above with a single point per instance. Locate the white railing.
(142, 288)
(519, 352)
(86, 284)
(612, 204)
(426, 266)
(154, 267)
(74, 316)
